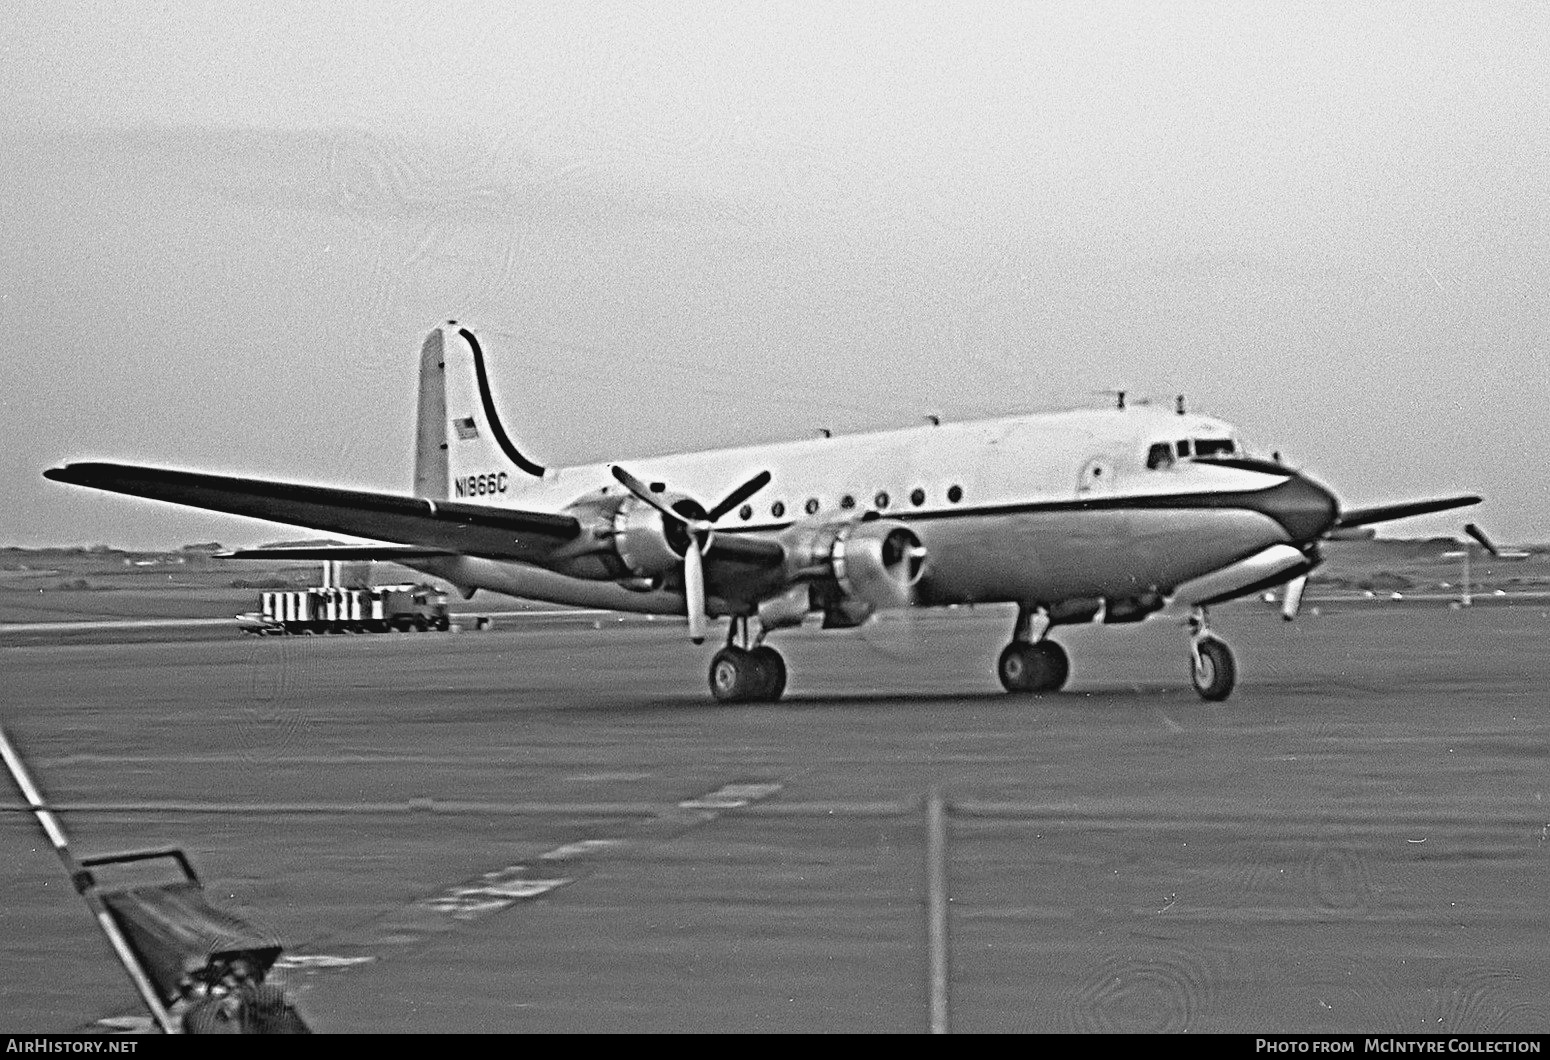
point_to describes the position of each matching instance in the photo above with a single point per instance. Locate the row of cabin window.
(847, 502)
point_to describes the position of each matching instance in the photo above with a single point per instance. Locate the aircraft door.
(1096, 476)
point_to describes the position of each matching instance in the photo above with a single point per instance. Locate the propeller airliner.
(1099, 515)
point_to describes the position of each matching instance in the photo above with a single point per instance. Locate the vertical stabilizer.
(430, 439)
(462, 449)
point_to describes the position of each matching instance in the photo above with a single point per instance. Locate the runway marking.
(730, 797)
(495, 891)
(580, 849)
(499, 889)
(126, 623)
(1173, 726)
(319, 960)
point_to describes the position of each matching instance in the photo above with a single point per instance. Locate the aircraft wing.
(437, 526)
(1382, 513)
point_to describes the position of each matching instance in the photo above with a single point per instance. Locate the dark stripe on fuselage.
(1301, 507)
(491, 416)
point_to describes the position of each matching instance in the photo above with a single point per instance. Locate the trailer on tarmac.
(332, 609)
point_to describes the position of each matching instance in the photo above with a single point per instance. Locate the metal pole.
(936, 908)
(85, 885)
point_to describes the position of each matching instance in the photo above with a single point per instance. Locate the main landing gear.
(1031, 664)
(1212, 669)
(747, 670)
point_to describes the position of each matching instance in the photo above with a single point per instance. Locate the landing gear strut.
(747, 670)
(1212, 668)
(1031, 664)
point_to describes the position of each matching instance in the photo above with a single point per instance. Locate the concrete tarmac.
(558, 830)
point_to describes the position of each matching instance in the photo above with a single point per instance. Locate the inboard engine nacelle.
(875, 563)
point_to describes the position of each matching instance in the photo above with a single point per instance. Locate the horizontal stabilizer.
(1382, 513)
(441, 526)
(336, 552)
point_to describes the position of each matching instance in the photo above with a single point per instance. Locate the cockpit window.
(1160, 456)
(1184, 449)
(1213, 446)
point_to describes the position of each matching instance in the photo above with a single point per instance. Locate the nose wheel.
(1212, 670)
(747, 674)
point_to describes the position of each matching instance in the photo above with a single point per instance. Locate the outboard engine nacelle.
(874, 563)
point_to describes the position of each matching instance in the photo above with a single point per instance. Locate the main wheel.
(735, 676)
(773, 665)
(1212, 669)
(1035, 668)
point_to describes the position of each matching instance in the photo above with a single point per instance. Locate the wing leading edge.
(434, 526)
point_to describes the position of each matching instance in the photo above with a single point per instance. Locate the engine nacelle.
(649, 543)
(626, 539)
(875, 563)
(1274, 565)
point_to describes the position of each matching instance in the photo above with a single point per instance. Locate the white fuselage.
(991, 500)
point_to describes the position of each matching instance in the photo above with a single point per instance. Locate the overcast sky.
(225, 228)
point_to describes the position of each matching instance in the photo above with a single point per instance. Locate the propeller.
(1479, 535)
(700, 533)
(1293, 601)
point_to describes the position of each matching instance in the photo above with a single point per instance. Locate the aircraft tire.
(773, 667)
(1212, 670)
(735, 676)
(1033, 668)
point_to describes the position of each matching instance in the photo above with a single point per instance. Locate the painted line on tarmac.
(116, 623)
(407, 928)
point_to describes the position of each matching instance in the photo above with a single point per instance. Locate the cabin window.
(954, 494)
(847, 501)
(881, 500)
(812, 505)
(745, 513)
(777, 509)
(1159, 457)
(1184, 449)
(917, 496)
(1213, 446)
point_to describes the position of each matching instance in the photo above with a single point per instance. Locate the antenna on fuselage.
(933, 419)
(1178, 405)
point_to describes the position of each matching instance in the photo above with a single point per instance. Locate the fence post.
(936, 908)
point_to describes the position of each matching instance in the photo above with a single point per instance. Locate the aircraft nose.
(1305, 509)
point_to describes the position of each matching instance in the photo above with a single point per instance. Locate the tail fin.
(462, 450)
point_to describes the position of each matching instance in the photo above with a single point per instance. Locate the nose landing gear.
(747, 672)
(1212, 670)
(1031, 664)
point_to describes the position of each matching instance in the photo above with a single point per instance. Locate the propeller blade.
(637, 487)
(694, 592)
(1382, 513)
(1293, 602)
(739, 495)
(1479, 535)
